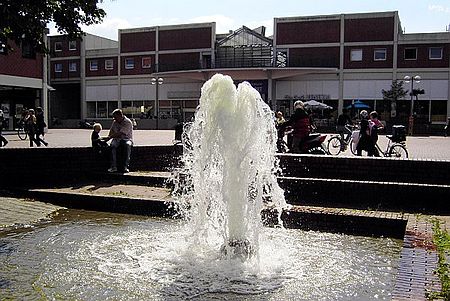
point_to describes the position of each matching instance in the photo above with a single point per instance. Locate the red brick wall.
(137, 65)
(367, 59)
(65, 47)
(101, 67)
(14, 64)
(138, 41)
(370, 29)
(190, 38)
(423, 60)
(179, 61)
(326, 31)
(65, 69)
(314, 57)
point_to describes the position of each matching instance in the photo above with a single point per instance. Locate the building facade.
(155, 73)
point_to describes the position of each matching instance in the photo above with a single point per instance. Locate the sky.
(415, 15)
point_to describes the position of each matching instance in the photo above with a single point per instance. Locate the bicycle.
(21, 130)
(337, 144)
(395, 148)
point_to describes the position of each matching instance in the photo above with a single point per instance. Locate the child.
(99, 144)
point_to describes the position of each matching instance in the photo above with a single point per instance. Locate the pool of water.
(83, 255)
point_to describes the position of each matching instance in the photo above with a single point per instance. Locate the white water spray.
(229, 167)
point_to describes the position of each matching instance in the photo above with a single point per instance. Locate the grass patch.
(441, 238)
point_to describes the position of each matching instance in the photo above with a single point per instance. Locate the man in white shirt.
(121, 133)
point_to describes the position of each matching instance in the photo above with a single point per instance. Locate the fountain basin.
(97, 256)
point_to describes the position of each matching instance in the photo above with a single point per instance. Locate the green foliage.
(441, 238)
(396, 92)
(26, 20)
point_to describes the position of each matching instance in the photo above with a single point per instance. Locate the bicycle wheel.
(352, 147)
(22, 133)
(398, 151)
(335, 146)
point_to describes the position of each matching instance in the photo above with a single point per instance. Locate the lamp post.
(407, 80)
(157, 81)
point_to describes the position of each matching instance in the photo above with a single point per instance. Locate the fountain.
(229, 161)
(219, 250)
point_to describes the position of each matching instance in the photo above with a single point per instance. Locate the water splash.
(229, 168)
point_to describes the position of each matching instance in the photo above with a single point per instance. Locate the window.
(72, 67)
(72, 45)
(58, 67)
(146, 62)
(435, 53)
(28, 50)
(100, 109)
(356, 55)
(379, 54)
(129, 63)
(410, 53)
(58, 46)
(93, 65)
(109, 64)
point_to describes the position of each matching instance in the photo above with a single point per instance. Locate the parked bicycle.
(340, 143)
(396, 146)
(22, 130)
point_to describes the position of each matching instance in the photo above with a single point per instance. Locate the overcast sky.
(415, 16)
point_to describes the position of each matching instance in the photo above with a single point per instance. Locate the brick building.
(23, 81)
(155, 73)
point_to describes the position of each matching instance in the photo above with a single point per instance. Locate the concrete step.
(157, 201)
(327, 192)
(152, 178)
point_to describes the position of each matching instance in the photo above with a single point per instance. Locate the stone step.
(152, 178)
(157, 201)
(386, 195)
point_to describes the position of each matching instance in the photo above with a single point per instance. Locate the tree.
(396, 92)
(26, 20)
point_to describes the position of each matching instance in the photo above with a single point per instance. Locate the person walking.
(121, 133)
(3, 140)
(40, 126)
(30, 125)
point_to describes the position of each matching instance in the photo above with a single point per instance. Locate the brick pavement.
(17, 212)
(429, 148)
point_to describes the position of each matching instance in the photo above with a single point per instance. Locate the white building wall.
(138, 92)
(434, 89)
(101, 93)
(365, 89)
(165, 88)
(300, 88)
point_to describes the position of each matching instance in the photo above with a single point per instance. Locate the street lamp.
(407, 80)
(157, 81)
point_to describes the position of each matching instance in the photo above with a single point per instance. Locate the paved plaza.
(426, 148)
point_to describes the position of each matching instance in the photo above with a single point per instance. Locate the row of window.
(380, 54)
(109, 64)
(28, 50)
(356, 55)
(146, 62)
(73, 66)
(72, 46)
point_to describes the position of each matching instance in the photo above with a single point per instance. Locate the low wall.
(377, 183)
(366, 169)
(29, 166)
